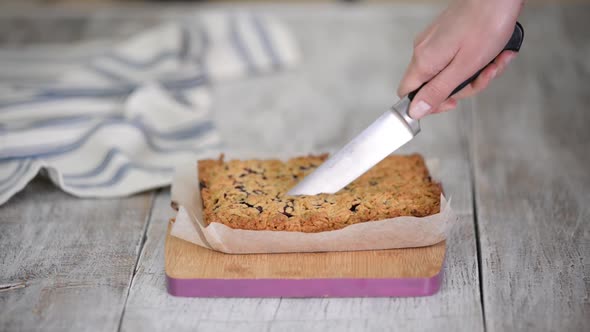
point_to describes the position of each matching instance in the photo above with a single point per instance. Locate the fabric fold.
(120, 119)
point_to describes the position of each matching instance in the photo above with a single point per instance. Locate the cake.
(251, 194)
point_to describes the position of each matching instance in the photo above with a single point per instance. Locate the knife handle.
(513, 45)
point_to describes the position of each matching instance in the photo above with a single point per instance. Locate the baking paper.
(400, 232)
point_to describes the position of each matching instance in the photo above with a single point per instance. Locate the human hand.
(462, 39)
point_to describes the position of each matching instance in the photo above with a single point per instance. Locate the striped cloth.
(115, 120)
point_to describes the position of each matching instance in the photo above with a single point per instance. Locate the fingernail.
(419, 110)
(510, 57)
(493, 74)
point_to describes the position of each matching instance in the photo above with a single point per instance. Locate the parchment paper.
(400, 232)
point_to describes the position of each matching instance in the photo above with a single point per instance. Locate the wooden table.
(515, 159)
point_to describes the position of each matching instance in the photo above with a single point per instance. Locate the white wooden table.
(515, 159)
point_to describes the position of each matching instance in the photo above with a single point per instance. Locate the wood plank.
(187, 261)
(532, 158)
(339, 89)
(67, 263)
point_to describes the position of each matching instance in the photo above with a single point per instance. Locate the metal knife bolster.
(401, 109)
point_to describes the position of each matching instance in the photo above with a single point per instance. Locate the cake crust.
(251, 194)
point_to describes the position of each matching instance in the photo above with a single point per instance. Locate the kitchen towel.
(119, 120)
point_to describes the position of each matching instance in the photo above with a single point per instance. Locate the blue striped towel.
(118, 122)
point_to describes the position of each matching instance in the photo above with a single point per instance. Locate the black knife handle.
(513, 45)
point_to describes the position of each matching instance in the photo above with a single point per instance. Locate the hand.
(462, 40)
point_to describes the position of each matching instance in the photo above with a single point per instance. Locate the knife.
(388, 133)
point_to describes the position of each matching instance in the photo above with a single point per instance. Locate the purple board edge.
(328, 287)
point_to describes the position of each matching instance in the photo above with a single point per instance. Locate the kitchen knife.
(388, 133)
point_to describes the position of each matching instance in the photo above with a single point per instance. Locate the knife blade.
(388, 133)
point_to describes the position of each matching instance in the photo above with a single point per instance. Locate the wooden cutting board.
(193, 271)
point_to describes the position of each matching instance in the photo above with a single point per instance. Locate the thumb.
(435, 92)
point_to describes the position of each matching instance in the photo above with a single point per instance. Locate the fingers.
(432, 53)
(504, 59)
(415, 75)
(493, 70)
(447, 105)
(438, 89)
(480, 83)
(432, 98)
